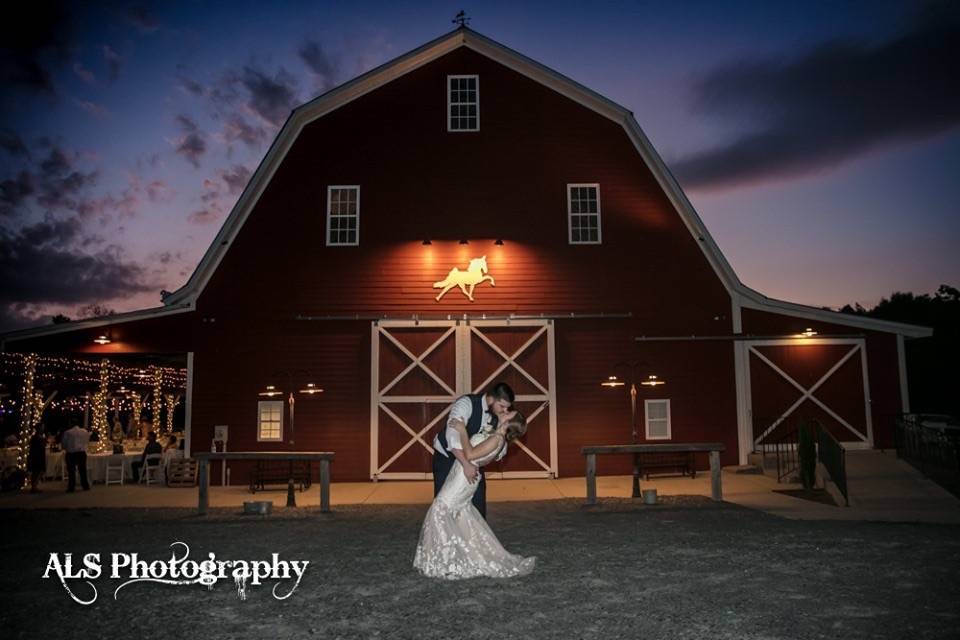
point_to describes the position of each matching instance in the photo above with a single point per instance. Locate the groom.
(472, 412)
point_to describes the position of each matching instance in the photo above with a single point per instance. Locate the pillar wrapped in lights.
(171, 404)
(136, 409)
(26, 421)
(100, 426)
(157, 400)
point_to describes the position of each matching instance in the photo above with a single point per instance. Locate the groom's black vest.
(473, 424)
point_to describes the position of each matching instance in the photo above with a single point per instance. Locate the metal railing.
(785, 448)
(833, 457)
(932, 445)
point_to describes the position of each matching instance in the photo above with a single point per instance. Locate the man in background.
(74, 442)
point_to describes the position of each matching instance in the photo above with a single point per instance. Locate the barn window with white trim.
(657, 413)
(463, 103)
(583, 213)
(269, 420)
(343, 215)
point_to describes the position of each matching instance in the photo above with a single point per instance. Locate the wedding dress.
(455, 540)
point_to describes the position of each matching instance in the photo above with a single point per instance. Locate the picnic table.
(713, 448)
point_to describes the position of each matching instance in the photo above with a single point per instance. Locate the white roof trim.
(465, 37)
(79, 325)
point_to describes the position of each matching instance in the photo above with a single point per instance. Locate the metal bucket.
(649, 496)
(258, 508)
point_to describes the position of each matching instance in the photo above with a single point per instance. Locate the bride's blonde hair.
(516, 427)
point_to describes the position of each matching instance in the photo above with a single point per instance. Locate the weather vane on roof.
(461, 19)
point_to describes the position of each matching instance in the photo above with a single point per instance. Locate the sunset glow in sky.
(818, 141)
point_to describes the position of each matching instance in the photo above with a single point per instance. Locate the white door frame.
(547, 396)
(463, 332)
(743, 349)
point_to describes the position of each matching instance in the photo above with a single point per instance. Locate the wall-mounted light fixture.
(808, 333)
(653, 381)
(426, 243)
(612, 381)
(498, 242)
(270, 391)
(103, 338)
(464, 242)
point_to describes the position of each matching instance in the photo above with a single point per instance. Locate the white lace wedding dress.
(455, 540)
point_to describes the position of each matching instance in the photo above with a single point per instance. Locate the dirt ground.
(687, 568)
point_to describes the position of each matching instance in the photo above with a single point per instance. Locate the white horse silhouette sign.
(475, 274)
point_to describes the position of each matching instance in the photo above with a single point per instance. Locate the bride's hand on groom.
(471, 470)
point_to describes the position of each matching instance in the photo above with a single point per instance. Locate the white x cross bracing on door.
(808, 394)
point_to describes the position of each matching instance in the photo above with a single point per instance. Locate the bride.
(455, 541)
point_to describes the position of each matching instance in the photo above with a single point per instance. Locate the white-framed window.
(343, 215)
(583, 213)
(269, 420)
(657, 415)
(463, 103)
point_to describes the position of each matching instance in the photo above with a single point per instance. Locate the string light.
(100, 426)
(171, 404)
(157, 399)
(136, 409)
(26, 424)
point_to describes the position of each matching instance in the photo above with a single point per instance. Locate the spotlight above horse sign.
(475, 274)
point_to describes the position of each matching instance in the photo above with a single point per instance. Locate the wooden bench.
(713, 448)
(279, 472)
(204, 458)
(660, 462)
(181, 472)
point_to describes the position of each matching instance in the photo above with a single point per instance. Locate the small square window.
(270, 420)
(657, 419)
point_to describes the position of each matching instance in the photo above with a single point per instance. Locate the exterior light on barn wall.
(426, 243)
(464, 242)
(498, 242)
(612, 381)
(311, 389)
(653, 381)
(103, 338)
(270, 391)
(808, 333)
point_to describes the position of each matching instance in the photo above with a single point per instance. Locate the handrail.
(833, 457)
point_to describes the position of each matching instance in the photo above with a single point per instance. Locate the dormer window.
(463, 103)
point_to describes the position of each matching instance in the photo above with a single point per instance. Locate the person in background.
(74, 443)
(37, 459)
(152, 447)
(171, 444)
(171, 451)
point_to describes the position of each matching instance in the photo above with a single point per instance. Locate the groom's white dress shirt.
(461, 410)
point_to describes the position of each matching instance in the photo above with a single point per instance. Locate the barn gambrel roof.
(741, 295)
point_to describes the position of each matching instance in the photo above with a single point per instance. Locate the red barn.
(462, 215)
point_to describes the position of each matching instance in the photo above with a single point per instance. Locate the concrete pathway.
(882, 488)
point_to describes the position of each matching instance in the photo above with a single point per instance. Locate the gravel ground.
(687, 568)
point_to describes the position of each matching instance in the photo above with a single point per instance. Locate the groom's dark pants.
(441, 469)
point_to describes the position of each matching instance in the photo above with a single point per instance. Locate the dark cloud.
(83, 73)
(203, 216)
(236, 178)
(830, 105)
(236, 127)
(191, 86)
(191, 145)
(41, 264)
(12, 143)
(34, 42)
(13, 191)
(319, 62)
(113, 61)
(270, 98)
(142, 18)
(60, 184)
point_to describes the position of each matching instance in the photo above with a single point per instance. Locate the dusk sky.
(819, 141)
